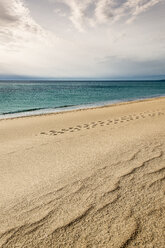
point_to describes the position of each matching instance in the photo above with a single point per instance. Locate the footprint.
(76, 129)
(53, 133)
(42, 133)
(60, 132)
(101, 123)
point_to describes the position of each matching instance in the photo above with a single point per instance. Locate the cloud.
(81, 13)
(89, 13)
(139, 7)
(16, 24)
(114, 10)
(5, 16)
(43, 46)
(25, 46)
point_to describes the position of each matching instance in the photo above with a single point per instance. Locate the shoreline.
(77, 108)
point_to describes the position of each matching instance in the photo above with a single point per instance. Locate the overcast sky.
(82, 38)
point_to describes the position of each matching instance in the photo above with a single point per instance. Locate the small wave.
(21, 111)
(35, 109)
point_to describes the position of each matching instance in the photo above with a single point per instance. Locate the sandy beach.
(85, 178)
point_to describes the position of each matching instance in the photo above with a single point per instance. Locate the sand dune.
(90, 178)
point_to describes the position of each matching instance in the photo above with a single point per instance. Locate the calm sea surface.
(28, 98)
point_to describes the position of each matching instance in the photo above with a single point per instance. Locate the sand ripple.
(107, 209)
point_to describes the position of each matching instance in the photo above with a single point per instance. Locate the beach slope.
(86, 178)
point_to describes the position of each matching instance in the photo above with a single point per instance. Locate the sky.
(111, 39)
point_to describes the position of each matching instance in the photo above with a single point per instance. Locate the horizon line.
(81, 79)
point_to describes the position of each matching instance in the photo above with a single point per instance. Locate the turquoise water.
(37, 97)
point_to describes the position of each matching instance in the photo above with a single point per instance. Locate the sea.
(24, 98)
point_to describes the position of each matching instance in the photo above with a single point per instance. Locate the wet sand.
(86, 178)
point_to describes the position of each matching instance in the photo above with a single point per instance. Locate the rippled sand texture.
(92, 178)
